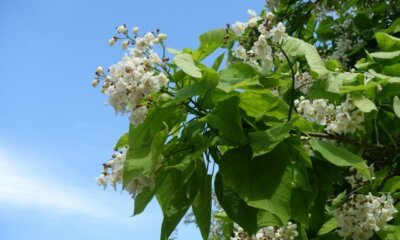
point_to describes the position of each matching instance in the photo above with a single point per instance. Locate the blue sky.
(55, 130)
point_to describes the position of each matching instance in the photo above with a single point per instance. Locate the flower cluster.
(287, 232)
(131, 81)
(113, 172)
(342, 119)
(364, 214)
(303, 82)
(260, 55)
(356, 179)
(344, 42)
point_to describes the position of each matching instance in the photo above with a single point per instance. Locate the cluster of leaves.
(227, 131)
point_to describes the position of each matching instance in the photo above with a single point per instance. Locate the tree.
(298, 135)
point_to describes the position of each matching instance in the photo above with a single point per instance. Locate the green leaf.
(392, 184)
(218, 61)
(186, 63)
(385, 55)
(122, 142)
(333, 64)
(146, 195)
(197, 89)
(364, 104)
(298, 48)
(328, 226)
(265, 141)
(392, 70)
(174, 211)
(237, 75)
(325, 29)
(235, 208)
(146, 142)
(396, 106)
(209, 42)
(369, 85)
(225, 118)
(260, 103)
(389, 232)
(387, 42)
(340, 156)
(202, 204)
(264, 182)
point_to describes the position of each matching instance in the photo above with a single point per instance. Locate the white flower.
(102, 180)
(162, 36)
(278, 33)
(270, 16)
(99, 70)
(253, 22)
(240, 53)
(125, 44)
(122, 29)
(112, 41)
(95, 82)
(239, 28)
(135, 30)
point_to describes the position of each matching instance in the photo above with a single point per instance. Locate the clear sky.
(55, 130)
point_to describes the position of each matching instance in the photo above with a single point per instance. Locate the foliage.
(298, 123)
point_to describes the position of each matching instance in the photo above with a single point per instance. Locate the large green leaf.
(263, 182)
(186, 63)
(341, 157)
(237, 75)
(387, 42)
(260, 103)
(199, 88)
(202, 202)
(146, 142)
(265, 141)
(225, 118)
(143, 198)
(209, 42)
(175, 204)
(298, 48)
(235, 208)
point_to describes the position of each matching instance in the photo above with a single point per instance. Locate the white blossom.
(112, 41)
(99, 70)
(342, 119)
(122, 29)
(278, 33)
(359, 217)
(135, 29)
(132, 80)
(239, 28)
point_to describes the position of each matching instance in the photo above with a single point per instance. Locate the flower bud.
(125, 44)
(162, 36)
(99, 70)
(122, 29)
(95, 82)
(112, 41)
(270, 16)
(135, 30)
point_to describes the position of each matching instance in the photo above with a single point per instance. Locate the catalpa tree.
(294, 127)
